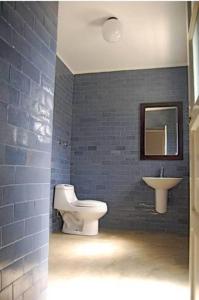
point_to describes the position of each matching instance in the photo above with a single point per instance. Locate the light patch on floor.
(99, 248)
(118, 265)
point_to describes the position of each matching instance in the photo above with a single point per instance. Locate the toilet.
(79, 216)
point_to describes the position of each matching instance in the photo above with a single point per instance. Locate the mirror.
(161, 131)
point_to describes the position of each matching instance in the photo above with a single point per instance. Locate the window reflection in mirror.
(161, 131)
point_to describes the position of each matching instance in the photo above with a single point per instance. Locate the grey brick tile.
(42, 32)
(25, 13)
(8, 94)
(23, 210)
(19, 80)
(7, 174)
(21, 45)
(6, 214)
(13, 232)
(22, 247)
(15, 156)
(32, 260)
(30, 70)
(4, 70)
(6, 294)
(18, 117)
(5, 31)
(9, 54)
(22, 284)
(12, 272)
(7, 255)
(32, 175)
(12, 17)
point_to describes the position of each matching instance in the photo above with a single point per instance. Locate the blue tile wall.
(27, 71)
(61, 141)
(105, 162)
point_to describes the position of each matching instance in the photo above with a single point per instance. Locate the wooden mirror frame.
(179, 106)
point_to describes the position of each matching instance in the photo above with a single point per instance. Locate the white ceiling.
(154, 35)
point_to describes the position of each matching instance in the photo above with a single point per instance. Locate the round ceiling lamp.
(112, 30)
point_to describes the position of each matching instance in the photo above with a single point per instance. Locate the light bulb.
(112, 30)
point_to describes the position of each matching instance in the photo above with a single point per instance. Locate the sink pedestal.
(161, 200)
(161, 186)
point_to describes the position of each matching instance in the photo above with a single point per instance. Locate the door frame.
(193, 11)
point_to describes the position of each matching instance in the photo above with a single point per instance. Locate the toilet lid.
(87, 203)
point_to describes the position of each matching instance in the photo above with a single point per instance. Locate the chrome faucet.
(162, 172)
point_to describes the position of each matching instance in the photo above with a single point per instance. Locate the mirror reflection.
(161, 131)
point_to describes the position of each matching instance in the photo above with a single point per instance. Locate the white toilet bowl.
(79, 217)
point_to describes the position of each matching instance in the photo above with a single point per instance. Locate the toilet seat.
(89, 203)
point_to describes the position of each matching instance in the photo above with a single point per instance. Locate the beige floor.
(118, 265)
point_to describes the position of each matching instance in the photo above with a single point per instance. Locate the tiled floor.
(118, 265)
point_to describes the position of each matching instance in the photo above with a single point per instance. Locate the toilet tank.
(64, 195)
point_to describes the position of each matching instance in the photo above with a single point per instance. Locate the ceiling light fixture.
(112, 30)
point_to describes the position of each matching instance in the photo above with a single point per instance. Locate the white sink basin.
(165, 183)
(161, 186)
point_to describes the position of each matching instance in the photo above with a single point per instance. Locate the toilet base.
(88, 228)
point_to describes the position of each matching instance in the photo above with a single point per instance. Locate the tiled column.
(28, 33)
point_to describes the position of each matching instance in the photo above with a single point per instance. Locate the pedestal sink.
(161, 186)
